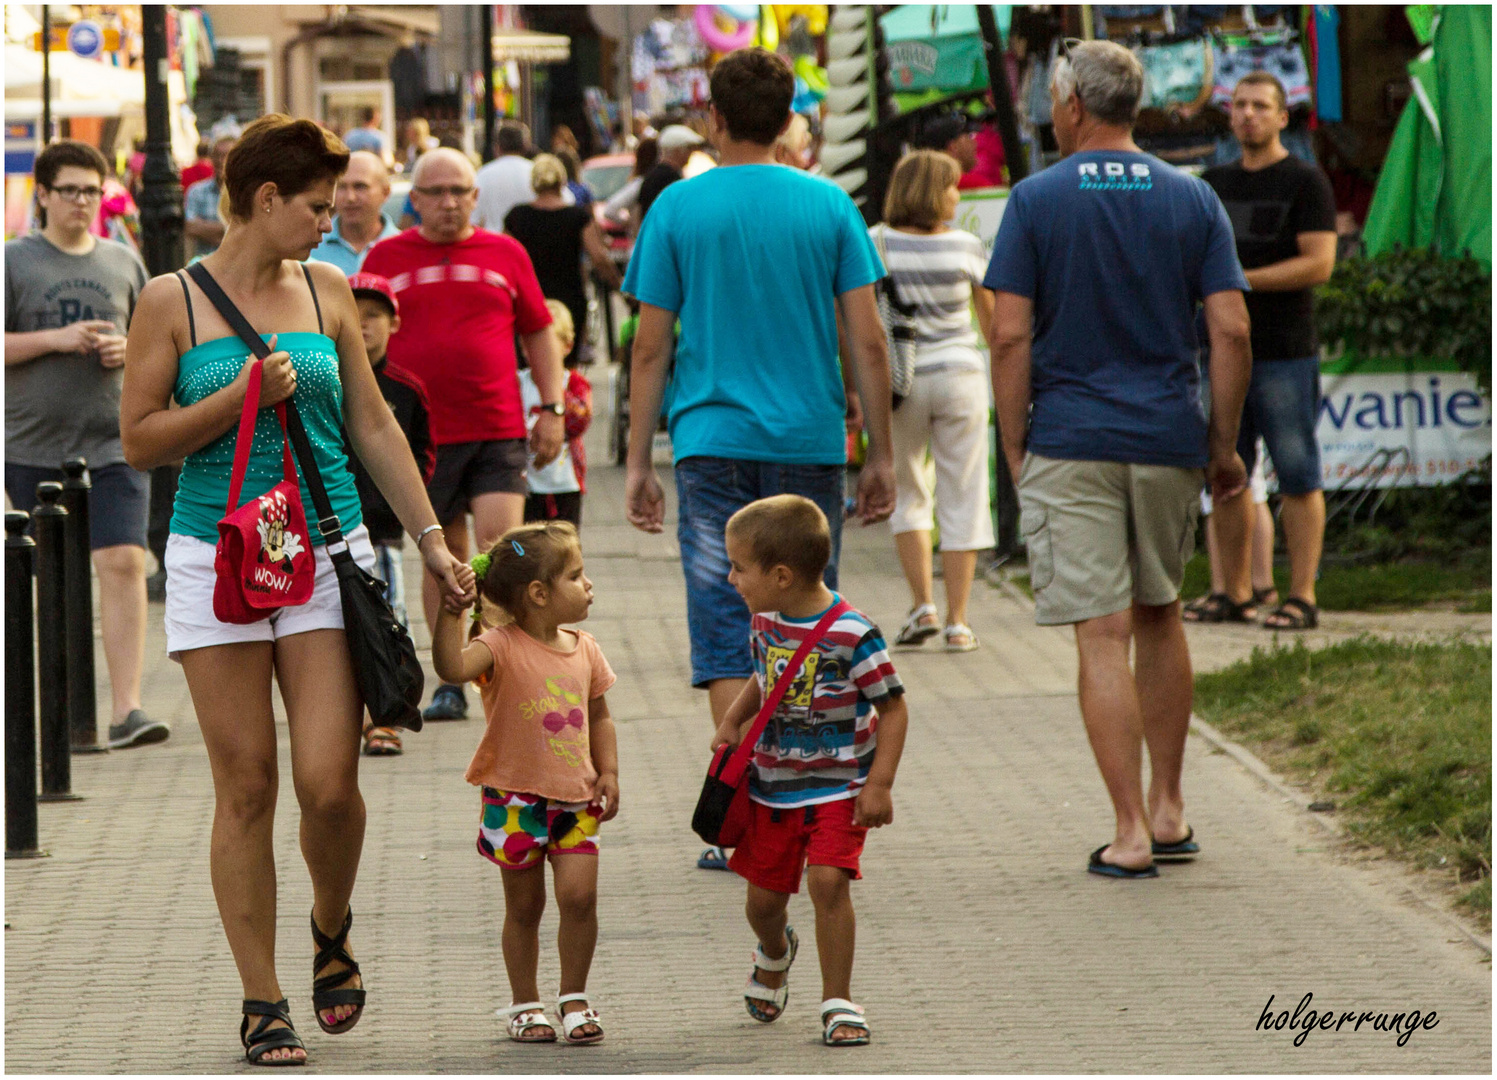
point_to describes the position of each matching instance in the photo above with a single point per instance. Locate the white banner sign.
(1411, 428)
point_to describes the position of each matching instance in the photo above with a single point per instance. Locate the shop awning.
(73, 78)
(531, 47)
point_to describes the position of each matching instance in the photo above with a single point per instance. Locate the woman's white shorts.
(190, 623)
(946, 411)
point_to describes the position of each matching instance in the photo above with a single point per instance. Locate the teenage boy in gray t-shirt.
(68, 300)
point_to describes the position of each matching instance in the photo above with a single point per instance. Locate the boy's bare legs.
(576, 884)
(836, 934)
(765, 909)
(524, 902)
(122, 620)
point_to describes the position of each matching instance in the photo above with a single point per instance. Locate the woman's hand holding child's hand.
(606, 792)
(455, 576)
(874, 807)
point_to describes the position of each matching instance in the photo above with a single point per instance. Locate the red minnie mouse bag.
(264, 560)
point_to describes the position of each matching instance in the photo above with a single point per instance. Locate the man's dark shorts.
(709, 491)
(469, 469)
(1283, 405)
(119, 500)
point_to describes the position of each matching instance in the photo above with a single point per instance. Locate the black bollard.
(20, 693)
(83, 720)
(51, 642)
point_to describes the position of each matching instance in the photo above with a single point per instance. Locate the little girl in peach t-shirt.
(547, 762)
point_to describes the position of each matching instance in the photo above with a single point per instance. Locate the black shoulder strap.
(327, 523)
(192, 326)
(313, 289)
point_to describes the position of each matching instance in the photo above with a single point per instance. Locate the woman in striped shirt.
(939, 271)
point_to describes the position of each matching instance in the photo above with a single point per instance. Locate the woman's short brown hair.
(291, 154)
(917, 186)
(785, 530)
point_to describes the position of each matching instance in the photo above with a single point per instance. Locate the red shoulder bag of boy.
(722, 813)
(264, 555)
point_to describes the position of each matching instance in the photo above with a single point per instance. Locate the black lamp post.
(46, 75)
(486, 51)
(161, 186)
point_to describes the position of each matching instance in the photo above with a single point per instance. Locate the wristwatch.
(557, 407)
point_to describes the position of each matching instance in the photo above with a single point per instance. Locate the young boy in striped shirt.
(822, 770)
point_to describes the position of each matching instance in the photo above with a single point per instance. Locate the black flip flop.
(1183, 849)
(1107, 869)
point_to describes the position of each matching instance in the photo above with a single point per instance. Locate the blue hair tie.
(518, 549)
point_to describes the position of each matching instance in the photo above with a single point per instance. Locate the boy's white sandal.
(522, 1018)
(571, 1021)
(775, 996)
(839, 1012)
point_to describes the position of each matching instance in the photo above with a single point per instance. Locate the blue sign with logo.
(20, 145)
(86, 39)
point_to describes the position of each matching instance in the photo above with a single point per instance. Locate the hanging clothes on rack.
(1327, 25)
(1275, 52)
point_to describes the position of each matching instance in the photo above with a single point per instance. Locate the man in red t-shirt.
(464, 292)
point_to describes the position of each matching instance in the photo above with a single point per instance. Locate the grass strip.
(1379, 586)
(1400, 733)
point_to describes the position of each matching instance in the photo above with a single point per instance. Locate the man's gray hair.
(1107, 77)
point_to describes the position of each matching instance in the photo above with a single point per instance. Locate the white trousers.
(947, 412)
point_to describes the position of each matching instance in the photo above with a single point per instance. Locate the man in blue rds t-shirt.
(1099, 265)
(757, 261)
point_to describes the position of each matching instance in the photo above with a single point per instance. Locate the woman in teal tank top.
(279, 182)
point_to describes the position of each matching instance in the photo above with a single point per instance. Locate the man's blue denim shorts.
(1283, 405)
(709, 491)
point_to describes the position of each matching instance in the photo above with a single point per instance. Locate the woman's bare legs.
(325, 713)
(958, 568)
(230, 686)
(915, 559)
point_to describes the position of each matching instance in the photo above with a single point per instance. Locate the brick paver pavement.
(984, 946)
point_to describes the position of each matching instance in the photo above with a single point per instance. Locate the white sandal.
(839, 1012)
(522, 1018)
(960, 630)
(914, 633)
(571, 1021)
(775, 996)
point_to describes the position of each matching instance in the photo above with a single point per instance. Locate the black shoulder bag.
(384, 658)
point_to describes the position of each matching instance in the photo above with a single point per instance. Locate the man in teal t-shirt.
(757, 261)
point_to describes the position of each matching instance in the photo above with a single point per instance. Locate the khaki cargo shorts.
(1103, 536)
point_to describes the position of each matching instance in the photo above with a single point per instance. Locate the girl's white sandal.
(571, 1021)
(522, 1018)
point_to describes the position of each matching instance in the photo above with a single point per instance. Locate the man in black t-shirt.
(1284, 219)
(677, 142)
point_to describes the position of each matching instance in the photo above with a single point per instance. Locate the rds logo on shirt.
(1114, 176)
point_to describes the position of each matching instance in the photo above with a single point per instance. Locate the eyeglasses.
(1065, 46)
(73, 193)
(440, 192)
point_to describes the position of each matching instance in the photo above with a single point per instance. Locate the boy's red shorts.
(779, 844)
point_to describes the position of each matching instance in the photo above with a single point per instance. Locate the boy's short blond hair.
(561, 324)
(785, 530)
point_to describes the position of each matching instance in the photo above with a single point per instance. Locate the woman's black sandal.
(324, 994)
(265, 1038)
